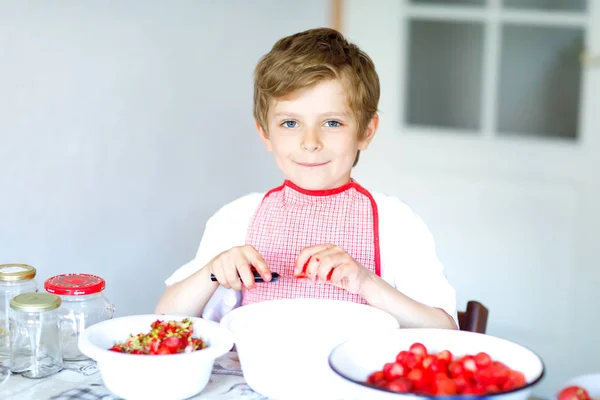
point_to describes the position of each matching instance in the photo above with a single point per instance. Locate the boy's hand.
(234, 267)
(329, 263)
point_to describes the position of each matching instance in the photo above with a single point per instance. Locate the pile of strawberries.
(442, 374)
(170, 337)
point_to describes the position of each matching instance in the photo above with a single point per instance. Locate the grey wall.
(124, 125)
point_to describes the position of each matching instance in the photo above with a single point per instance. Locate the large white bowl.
(172, 376)
(355, 359)
(283, 345)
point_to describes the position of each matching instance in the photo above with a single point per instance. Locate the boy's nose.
(311, 141)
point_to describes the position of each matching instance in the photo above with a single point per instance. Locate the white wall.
(124, 125)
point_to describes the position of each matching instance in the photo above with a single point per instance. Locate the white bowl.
(283, 345)
(172, 376)
(355, 359)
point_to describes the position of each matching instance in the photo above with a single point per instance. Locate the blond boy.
(315, 105)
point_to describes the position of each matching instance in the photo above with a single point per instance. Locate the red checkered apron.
(290, 219)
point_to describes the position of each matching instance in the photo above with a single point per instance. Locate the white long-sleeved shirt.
(408, 258)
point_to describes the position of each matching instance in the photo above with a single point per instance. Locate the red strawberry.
(172, 342)
(153, 345)
(415, 375)
(411, 361)
(461, 384)
(399, 385)
(455, 369)
(445, 356)
(302, 274)
(419, 350)
(376, 376)
(394, 370)
(499, 372)
(401, 357)
(574, 393)
(469, 365)
(483, 360)
(445, 387)
(427, 361)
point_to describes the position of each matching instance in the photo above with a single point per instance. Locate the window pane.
(539, 83)
(561, 5)
(444, 74)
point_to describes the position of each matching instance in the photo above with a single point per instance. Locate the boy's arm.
(414, 287)
(189, 296)
(409, 313)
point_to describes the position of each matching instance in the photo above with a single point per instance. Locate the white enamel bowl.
(355, 359)
(283, 345)
(166, 377)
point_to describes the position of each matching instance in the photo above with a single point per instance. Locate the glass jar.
(83, 305)
(35, 350)
(14, 279)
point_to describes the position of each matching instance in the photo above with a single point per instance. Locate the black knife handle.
(257, 277)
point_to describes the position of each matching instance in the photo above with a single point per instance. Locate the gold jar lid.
(16, 272)
(35, 302)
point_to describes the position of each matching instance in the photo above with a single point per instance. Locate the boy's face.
(314, 136)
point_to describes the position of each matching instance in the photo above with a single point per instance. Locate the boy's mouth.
(311, 165)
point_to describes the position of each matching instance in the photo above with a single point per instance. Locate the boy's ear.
(264, 136)
(369, 133)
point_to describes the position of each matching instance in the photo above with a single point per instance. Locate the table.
(81, 380)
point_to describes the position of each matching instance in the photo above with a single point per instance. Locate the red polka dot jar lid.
(74, 284)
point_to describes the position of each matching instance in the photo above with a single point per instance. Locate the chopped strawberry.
(172, 342)
(164, 338)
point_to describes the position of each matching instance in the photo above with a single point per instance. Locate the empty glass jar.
(35, 349)
(83, 304)
(14, 279)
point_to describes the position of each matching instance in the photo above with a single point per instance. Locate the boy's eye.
(333, 124)
(290, 124)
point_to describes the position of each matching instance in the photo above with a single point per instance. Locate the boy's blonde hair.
(307, 58)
